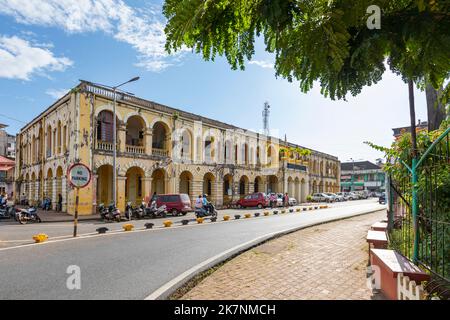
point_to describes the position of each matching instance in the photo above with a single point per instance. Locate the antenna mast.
(265, 114)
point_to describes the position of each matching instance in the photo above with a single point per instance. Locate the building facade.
(7, 143)
(6, 176)
(362, 176)
(159, 149)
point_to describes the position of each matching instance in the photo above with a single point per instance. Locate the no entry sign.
(79, 175)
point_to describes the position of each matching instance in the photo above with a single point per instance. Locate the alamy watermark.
(374, 19)
(73, 282)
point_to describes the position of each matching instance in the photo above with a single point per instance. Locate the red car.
(176, 203)
(258, 199)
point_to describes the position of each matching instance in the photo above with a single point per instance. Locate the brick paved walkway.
(322, 262)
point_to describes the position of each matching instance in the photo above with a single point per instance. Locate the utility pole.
(266, 113)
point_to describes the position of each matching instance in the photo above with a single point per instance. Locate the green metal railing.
(419, 206)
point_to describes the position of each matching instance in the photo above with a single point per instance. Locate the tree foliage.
(324, 41)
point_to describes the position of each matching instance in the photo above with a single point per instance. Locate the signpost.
(79, 177)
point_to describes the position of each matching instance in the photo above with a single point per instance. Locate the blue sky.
(47, 46)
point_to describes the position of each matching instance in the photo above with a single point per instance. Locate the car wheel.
(260, 206)
(174, 212)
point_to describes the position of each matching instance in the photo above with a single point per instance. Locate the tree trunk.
(435, 110)
(412, 113)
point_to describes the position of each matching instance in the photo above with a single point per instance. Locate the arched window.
(105, 126)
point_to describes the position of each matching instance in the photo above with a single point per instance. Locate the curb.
(172, 286)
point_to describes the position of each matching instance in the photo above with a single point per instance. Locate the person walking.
(286, 200)
(59, 208)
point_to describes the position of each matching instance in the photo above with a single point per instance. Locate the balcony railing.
(160, 152)
(135, 149)
(105, 146)
(296, 166)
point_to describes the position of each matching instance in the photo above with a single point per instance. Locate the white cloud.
(142, 29)
(19, 59)
(263, 64)
(56, 93)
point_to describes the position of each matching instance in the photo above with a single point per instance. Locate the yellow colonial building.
(159, 149)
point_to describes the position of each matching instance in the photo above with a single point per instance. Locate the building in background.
(6, 176)
(421, 125)
(362, 175)
(159, 149)
(7, 143)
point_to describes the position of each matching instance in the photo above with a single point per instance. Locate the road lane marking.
(89, 235)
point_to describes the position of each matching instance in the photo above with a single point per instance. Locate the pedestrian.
(286, 200)
(59, 202)
(154, 197)
(273, 200)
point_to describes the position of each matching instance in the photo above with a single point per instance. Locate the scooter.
(7, 212)
(153, 211)
(133, 213)
(109, 214)
(209, 211)
(27, 215)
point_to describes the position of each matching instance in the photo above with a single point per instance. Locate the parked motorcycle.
(133, 213)
(210, 210)
(153, 211)
(25, 216)
(7, 212)
(109, 214)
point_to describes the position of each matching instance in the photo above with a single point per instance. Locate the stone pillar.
(197, 188)
(64, 193)
(37, 190)
(219, 193)
(121, 193)
(235, 190)
(251, 187)
(214, 190)
(148, 140)
(54, 193)
(147, 181)
(122, 133)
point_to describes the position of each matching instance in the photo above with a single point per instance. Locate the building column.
(64, 193)
(197, 188)
(251, 186)
(54, 193)
(147, 181)
(122, 132)
(219, 193)
(121, 193)
(148, 138)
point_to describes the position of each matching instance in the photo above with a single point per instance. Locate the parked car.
(337, 197)
(322, 197)
(292, 201)
(362, 194)
(353, 196)
(344, 196)
(258, 199)
(176, 203)
(382, 199)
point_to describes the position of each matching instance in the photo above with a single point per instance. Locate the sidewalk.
(54, 216)
(324, 262)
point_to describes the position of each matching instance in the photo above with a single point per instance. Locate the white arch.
(132, 114)
(107, 107)
(159, 119)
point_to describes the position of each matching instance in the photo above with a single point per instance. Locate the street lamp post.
(115, 138)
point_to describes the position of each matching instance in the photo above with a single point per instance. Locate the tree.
(435, 108)
(322, 41)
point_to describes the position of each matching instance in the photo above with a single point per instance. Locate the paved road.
(13, 234)
(133, 265)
